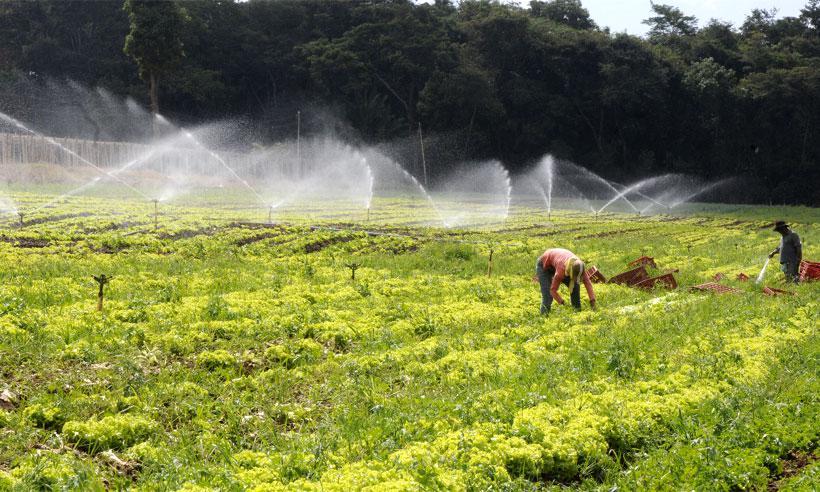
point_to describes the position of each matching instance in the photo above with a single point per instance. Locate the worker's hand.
(771, 255)
(593, 305)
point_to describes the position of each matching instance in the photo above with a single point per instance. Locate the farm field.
(234, 354)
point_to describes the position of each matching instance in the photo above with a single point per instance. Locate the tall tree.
(569, 12)
(154, 40)
(670, 21)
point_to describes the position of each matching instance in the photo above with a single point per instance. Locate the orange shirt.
(557, 258)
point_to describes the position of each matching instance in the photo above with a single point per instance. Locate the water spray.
(762, 271)
(70, 152)
(270, 214)
(214, 155)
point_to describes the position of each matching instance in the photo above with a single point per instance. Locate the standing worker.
(557, 266)
(790, 249)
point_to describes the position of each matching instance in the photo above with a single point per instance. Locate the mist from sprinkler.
(326, 170)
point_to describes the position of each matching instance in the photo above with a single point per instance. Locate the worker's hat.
(780, 225)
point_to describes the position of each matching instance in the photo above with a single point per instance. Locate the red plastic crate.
(718, 277)
(595, 275)
(809, 270)
(771, 291)
(666, 280)
(742, 277)
(720, 289)
(644, 261)
(630, 277)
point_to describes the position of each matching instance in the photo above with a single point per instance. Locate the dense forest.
(482, 79)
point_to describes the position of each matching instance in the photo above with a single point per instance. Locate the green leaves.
(111, 432)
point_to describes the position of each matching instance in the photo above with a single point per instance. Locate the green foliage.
(154, 40)
(217, 359)
(111, 432)
(45, 416)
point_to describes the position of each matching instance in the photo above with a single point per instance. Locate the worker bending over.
(557, 266)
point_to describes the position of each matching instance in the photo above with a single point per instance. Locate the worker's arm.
(798, 247)
(590, 293)
(556, 281)
(776, 250)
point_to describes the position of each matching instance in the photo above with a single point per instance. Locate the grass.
(234, 355)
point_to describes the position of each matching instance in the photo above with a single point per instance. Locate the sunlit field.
(332, 347)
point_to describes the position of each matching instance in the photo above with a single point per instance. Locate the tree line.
(486, 79)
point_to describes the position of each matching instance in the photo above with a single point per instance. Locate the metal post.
(299, 143)
(423, 161)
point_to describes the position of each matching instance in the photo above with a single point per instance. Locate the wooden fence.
(17, 149)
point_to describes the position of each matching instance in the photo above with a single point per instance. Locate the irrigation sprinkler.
(21, 215)
(102, 280)
(270, 214)
(353, 267)
(156, 214)
(368, 215)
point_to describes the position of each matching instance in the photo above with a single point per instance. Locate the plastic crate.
(595, 275)
(742, 277)
(720, 289)
(771, 291)
(644, 261)
(630, 277)
(667, 280)
(809, 270)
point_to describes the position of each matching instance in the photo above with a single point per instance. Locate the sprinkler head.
(21, 215)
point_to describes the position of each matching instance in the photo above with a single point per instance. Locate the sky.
(626, 15)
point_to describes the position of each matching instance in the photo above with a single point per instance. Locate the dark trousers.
(792, 271)
(545, 279)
